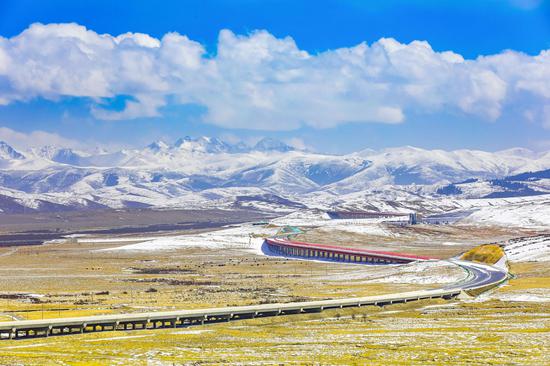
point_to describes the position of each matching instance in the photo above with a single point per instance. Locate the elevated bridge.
(184, 318)
(337, 253)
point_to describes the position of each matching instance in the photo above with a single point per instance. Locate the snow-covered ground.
(249, 238)
(306, 218)
(422, 273)
(531, 295)
(245, 237)
(517, 212)
(128, 239)
(419, 273)
(527, 212)
(536, 248)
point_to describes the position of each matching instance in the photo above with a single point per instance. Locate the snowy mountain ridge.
(208, 171)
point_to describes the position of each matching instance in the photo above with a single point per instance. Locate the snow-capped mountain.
(61, 155)
(9, 153)
(203, 144)
(204, 171)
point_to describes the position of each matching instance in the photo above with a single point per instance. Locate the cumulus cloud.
(259, 81)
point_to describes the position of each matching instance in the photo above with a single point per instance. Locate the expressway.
(480, 277)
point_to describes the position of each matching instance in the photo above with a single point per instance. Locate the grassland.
(414, 334)
(76, 279)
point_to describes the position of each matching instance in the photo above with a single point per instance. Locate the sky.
(330, 76)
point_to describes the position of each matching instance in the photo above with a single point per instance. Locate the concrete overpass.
(480, 278)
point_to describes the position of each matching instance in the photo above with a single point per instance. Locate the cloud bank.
(258, 81)
(23, 141)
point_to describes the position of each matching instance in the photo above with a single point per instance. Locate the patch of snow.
(307, 218)
(425, 272)
(515, 212)
(536, 248)
(242, 237)
(532, 296)
(450, 243)
(193, 331)
(502, 263)
(358, 227)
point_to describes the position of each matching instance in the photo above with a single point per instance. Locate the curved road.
(480, 277)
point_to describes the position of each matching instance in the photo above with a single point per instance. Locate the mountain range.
(208, 172)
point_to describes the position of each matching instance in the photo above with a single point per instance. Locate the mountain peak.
(182, 140)
(61, 155)
(202, 144)
(214, 145)
(7, 152)
(46, 151)
(157, 146)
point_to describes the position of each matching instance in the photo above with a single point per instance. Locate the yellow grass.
(429, 332)
(423, 333)
(488, 253)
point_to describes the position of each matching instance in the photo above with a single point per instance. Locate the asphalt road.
(479, 275)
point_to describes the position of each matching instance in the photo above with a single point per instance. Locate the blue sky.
(416, 96)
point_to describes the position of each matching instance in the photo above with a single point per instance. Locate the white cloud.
(37, 138)
(145, 105)
(258, 81)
